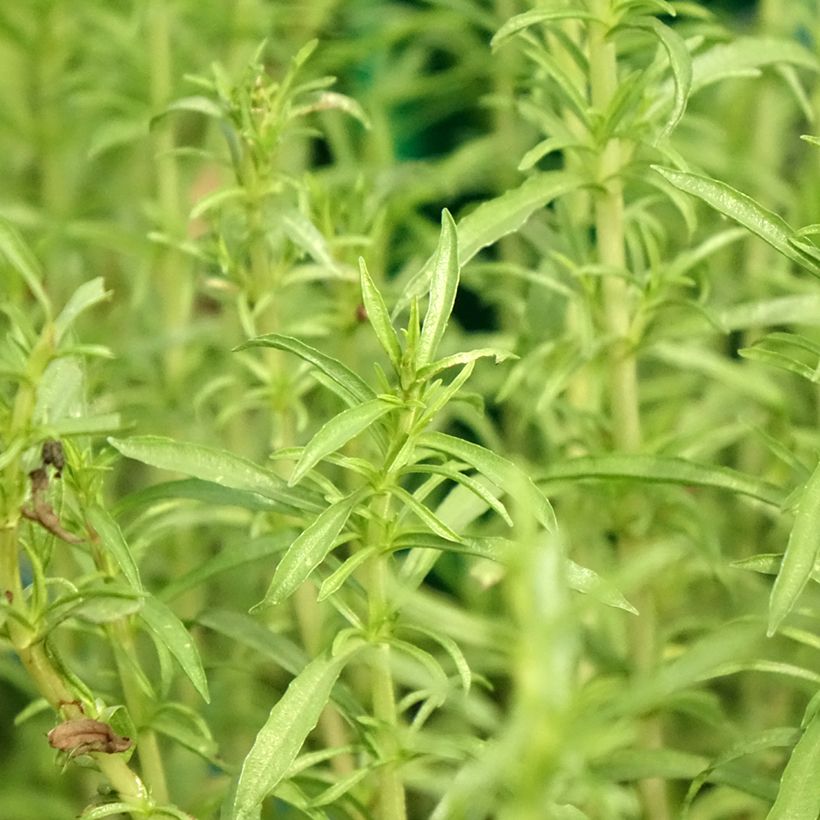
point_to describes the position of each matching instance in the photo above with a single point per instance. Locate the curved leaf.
(801, 553)
(502, 472)
(799, 794)
(169, 631)
(337, 432)
(217, 466)
(114, 543)
(351, 388)
(443, 287)
(742, 209)
(309, 550)
(278, 742)
(494, 219)
(664, 469)
(379, 317)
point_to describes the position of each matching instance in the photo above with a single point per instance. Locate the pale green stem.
(153, 770)
(623, 379)
(391, 805)
(173, 282)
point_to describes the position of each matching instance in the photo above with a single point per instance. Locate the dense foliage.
(409, 410)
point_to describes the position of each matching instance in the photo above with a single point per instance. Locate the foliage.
(409, 410)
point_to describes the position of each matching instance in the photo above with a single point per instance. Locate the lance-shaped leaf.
(85, 297)
(681, 65)
(290, 721)
(217, 466)
(502, 472)
(443, 287)
(169, 631)
(742, 209)
(18, 255)
(337, 432)
(379, 317)
(799, 794)
(425, 515)
(309, 550)
(349, 387)
(521, 22)
(494, 219)
(664, 470)
(801, 554)
(114, 543)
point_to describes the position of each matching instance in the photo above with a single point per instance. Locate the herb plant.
(319, 501)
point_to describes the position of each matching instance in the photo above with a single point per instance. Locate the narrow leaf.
(426, 516)
(114, 543)
(351, 388)
(799, 794)
(85, 297)
(309, 550)
(278, 743)
(521, 22)
(664, 469)
(217, 466)
(18, 255)
(742, 209)
(499, 470)
(801, 553)
(443, 287)
(379, 317)
(170, 632)
(587, 581)
(337, 432)
(230, 557)
(348, 567)
(494, 219)
(305, 235)
(681, 64)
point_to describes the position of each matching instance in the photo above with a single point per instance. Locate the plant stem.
(173, 281)
(623, 377)
(153, 770)
(391, 799)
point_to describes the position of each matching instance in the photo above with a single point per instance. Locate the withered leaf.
(84, 735)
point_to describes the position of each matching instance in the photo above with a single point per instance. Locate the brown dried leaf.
(84, 735)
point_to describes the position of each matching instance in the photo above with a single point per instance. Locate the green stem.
(173, 280)
(391, 797)
(153, 770)
(623, 377)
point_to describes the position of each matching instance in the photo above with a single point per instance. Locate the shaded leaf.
(350, 387)
(663, 469)
(114, 543)
(801, 554)
(86, 296)
(166, 628)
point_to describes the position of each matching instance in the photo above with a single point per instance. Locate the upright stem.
(622, 376)
(173, 280)
(391, 799)
(153, 770)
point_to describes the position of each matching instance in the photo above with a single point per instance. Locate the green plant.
(322, 578)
